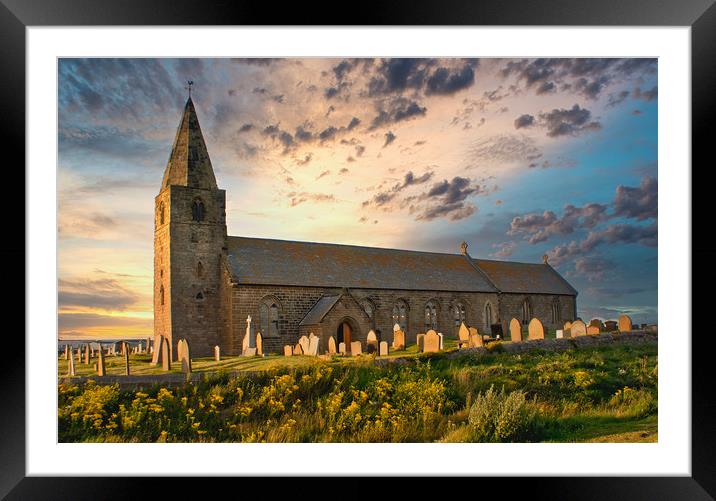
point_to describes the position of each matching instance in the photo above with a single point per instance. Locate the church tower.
(190, 245)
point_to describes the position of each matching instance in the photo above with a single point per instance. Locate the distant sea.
(95, 343)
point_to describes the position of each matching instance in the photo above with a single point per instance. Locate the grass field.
(599, 394)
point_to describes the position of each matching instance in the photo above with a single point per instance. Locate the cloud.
(504, 149)
(323, 174)
(540, 227)
(105, 294)
(302, 197)
(568, 122)
(504, 249)
(396, 110)
(389, 138)
(454, 212)
(383, 198)
(524, 121)
(445, 199)
(430, 76)
(638, 203)
(616, 99)
(593, 268)
(648, 95)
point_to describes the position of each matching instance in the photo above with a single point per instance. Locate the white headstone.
(313, 345)
(560, 334)
(440, 335)
(217, 354)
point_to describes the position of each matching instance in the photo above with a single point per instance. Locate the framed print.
(433, 240)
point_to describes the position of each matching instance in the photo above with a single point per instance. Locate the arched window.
(556, 312)
(268, 319)
(488, 316)
(161, 212)
(161, 295)
(400, 315)
(526, 311)
(200, 270)
(458, 315)
(431, 316)
(197, 210)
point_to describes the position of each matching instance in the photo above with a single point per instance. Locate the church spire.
(189, 163)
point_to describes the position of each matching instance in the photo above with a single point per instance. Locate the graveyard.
(546, 387)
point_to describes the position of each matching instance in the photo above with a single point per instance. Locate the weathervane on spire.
(189, 84)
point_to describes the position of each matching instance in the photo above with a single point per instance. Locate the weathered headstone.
(185, 357)
(431, 342)
(624, 323)
(156, 349)
(440, 335)
(331, 345)
(463, 336)
(217, 353)
(313, 343)
(567, 325)
(371, 342)
(67, 352)
(248, 346)
(87, 354)
(166, 355)
(298, 349)
(419, 341)
(126, 362)
(79, 354)
(476, 340)
(560, 333)
(287, 350)
(71, 366)
(100, 365)
(515, 331)
(356, 348)
(592, 330)
(383, 348)
(178, 351)
(342, 348)
(577, 329)
(535, 329)
(398, 339)
(259, 344)
(305, 344)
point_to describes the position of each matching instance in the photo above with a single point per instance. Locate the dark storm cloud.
(389, 138)
(396, 110)
(443, 81)
(445, 199)
(568, 122)
(431, 76)
(453, 191)
(524, 121)
(638, 203)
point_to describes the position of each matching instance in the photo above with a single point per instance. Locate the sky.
(517, 157)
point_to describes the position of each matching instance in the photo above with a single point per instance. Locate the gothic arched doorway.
(346, 332)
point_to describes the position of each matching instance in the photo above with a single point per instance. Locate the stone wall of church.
(295, 302)
(541, 307)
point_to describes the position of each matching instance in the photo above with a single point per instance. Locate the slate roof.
(320, 310)
(189, 163)
(282, 262)
(525, 278)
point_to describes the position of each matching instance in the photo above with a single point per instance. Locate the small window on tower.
(197, 210)
(200, 296)
(161, 295)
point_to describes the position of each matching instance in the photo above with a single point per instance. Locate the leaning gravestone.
(371, 342)
(624, 323)
(313, 342)
(287, 350)
(398, 339)
(383, 348)
(515, 331)
(419, 341)
(305, 344)
(166, 355)
(126, 362)
(71, 366)
(298, 349)
(100, 365)
(431, 342)
(259, 344)
(331, 345)
(463, 336)
(217, 353)
(577, 329)
(475, 339)
(342, 348)
(185, 357)
(535, 329)
(356, 348)
(440, 335)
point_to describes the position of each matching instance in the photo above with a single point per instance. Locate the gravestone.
(100, 365)
(383, 348)
(515, 331)
(592, 330)
(567, 325)
(419, 341)
(396, 327)
(287, 350)
(248, 347)
(67, 352)
(342, 348)
(463, 336)
(624, 323)
(610, 325)
(71, 366)
(217, 353)
(560, 333)
(398, 339)
(431, 342)
(185, 357)
(577, 329)
(371, 342)
(79, 355)
(178, 351)
(156, 350)
(126, 362)
(313, 342)
(356, 348)
(259, 344)
(475, 340)
(305, 344)
(595, 322)
(440, 335)
(298, 350)
(535, 329)
(331, 345)
(166, 355)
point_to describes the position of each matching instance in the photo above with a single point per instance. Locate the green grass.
(606, 393)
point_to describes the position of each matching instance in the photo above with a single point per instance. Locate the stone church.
(207, 283)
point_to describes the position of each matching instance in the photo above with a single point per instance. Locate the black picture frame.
(700, 15)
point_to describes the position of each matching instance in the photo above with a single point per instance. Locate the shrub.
(501, 417)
